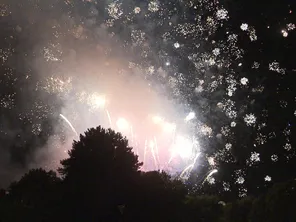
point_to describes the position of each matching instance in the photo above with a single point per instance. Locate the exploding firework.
(101, 88)
(171, 84)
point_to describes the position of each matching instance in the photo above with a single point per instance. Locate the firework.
(169, 89)
(69, 123)
(210, 174)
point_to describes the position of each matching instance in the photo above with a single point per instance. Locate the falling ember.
(210, 174)
(152, 149)
(145, 150)
(156, 149)
(137, 10)
(109, 118)
(176, 45)
(211, 161)
(186, 172)
(132, 134)
(244, 27)
(284, 33)
(69, 123)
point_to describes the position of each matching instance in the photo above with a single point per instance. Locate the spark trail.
(210, 174)
(69, 123)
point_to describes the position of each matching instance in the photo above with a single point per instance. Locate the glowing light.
(228, 146)
(213, 172)
(233, 124)
(244, 27)
(153, 6)
(96, 101)
(186, 172)
(183, 147)
(210, 174)
(176, 45)
(122, 124)
(206, 130)
(222, 14)
(288, 146)
(250, 119)
(169, 127)
(284, 33)
(240, 180)
(151, 144)
(267, 178)
(157, 119)
(137, 10)
(127, 95)
(291, 26)
(190, 116)
(211, 161)
(244, 81)
(274, 158)
(255, 157)
(153, 151)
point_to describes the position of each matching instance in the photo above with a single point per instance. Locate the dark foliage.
(102, 181)
(158, 198)
(99, 174)
(33, 198)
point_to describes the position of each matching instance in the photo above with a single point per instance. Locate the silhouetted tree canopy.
(158, 198)
(104, 150)
(101, 181)
(203, 208)
(99, 174)
(33, 198)
(280, 202)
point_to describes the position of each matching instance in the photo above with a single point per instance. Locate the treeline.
(101, 181)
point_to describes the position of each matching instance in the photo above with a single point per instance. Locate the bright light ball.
(183, 147)
(157, 119)
(284, 33)
(96, 101)
(176, 45)
(151, 144)
(122, 124)
(169, 127)
(190, 116)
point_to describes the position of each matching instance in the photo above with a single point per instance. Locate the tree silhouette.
(158, 197)
(101, 181)
(99, 174)
(33, 198)
(239, 210)
(280, 202)
(203, 208)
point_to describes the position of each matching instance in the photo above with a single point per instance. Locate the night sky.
(202, 89)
